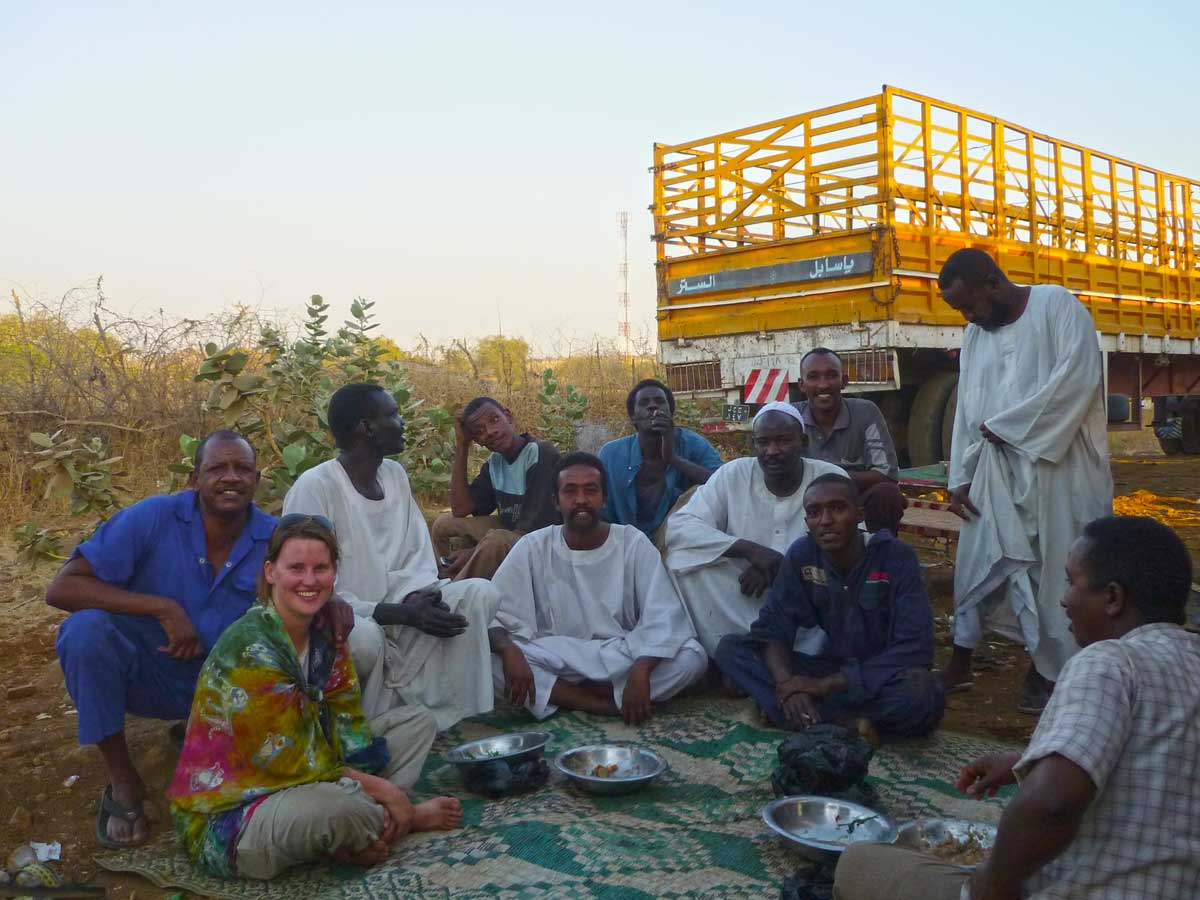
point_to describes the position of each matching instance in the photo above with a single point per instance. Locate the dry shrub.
(76, 365)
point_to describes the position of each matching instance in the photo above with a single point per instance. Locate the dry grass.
(75, 364)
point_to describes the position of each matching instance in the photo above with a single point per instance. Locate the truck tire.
(948, 421)
(925, 421)
(1171, 446)
(1190, 442)
(1119, 407)
(895, 406)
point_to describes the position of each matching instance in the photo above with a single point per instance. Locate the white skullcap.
(780, 407)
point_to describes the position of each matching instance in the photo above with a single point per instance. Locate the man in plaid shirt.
(1108, 799)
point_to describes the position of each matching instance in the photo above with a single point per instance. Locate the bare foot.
(373, 854)
(120, 829)
(1035, 693)
(729, 689)
(866, 730)
(957, 674)
(438, 814)
(588, 697)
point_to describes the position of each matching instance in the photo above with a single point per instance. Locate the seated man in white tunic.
(589, 619)
(725, 546)
(416, 640)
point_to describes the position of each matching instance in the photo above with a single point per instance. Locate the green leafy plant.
(82, 472)
(182, 470)
(561, 412)
(35, 542)
(281, 405)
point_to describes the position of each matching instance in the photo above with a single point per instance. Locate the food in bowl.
(969, 851)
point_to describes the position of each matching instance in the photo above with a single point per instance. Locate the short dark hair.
(1146, 558)
(631, 400)
(822, 351)
(349, 405)
(834, 478)
(479, 403)
(581, 458)
(217, 437)
(970, 265)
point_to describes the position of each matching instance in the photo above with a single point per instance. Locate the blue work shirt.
(878, 617)
(622, 460)
(157, 546)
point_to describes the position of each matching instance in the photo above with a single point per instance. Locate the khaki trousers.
(409, 732)
(491, 542)
(887, 872)
(305, 824)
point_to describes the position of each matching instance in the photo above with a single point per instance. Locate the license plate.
(736, 412)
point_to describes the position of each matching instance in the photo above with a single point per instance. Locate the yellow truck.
(828, 228)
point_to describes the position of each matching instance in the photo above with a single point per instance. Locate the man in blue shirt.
(869, 599)
(650, 469)
(148, 595)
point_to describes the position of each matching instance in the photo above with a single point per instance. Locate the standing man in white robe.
(725, 546)
(1028, 465)
(589, 619)
(416, 640)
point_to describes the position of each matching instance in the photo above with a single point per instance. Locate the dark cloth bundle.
(829, 761)
(826, 760)
(812, 882)
(498, 778)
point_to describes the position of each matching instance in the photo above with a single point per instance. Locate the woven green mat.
(694, 833)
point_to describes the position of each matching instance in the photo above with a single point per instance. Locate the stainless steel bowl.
(822, 827)
(511, 748)
(636, 767)
(925, 834)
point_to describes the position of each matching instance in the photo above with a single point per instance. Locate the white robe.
(1036, 383)
(590, 614)
(386, 553)
(734, 504)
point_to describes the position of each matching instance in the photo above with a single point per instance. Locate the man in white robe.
(1028, 466)
(589, 619)
(725, 546)
(416, 640)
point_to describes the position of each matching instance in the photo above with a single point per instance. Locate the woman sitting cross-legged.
(275, 768)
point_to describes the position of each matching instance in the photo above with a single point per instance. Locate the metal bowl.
(636, 767)
(513, 749)
(926, 834)
(822, 827)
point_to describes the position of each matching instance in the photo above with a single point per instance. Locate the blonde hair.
(308, 528)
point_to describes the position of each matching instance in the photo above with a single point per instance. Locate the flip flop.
(960, 687)
(109, 808)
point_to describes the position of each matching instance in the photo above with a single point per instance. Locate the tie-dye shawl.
(256, 728)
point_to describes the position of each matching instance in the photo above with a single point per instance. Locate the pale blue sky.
(457, 160)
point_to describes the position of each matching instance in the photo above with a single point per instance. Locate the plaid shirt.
(1128, 713)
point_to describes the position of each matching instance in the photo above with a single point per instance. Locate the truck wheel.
(1191, 426)
(1171, 446)
(948, 421)
(925, 421)
(1119, 406)
(894, 405)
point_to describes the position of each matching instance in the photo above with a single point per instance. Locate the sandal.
(109, 808)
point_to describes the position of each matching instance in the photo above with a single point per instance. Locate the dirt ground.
(57, 783)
